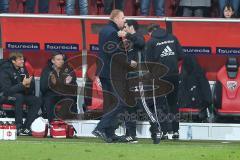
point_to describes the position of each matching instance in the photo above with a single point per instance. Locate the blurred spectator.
(136, 7)
(83, 7)
(157, 4)
(61, 4)
(43, 6)
(214, 11)
(228, 11)
(195, 8)
(175, 8)
(99, 6)
(4, 5)
(234, 3)
(108, 5)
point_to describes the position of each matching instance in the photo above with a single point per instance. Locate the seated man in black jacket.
(18, 89)
(58, 83)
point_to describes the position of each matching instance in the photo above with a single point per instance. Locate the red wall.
(193, 34)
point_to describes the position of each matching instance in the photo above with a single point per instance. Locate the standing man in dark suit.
(111, 53)
(108, 45)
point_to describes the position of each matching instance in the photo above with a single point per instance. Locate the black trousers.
(113, 106)
(51, 102)
(108, 102)
(167, 110)
(111, 120)
(33, 103)
(173, 109)
(108, 5)
(138, 113)
(43, 6)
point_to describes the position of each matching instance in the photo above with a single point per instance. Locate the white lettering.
(22, 46)
(229, 51)
(61, 47)
(164, 42)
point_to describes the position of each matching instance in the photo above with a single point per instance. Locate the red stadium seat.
(227, 92)
(192, 111)
(78, 73)
(97, 97)
(38, 72)
(29, 68)
(9, 107)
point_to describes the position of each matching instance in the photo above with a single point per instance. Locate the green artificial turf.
(28, 148)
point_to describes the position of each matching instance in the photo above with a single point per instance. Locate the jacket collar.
(113, 24)
(13, 67)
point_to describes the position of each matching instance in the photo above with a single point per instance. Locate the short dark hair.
(54, 54)
(153, 27)
(229, 6)
(133, 23)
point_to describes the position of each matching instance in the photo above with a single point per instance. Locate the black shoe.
(102, 135)
(115, 138)
(156, 137)
(25, 132)
(175, 136)
(128, 139)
